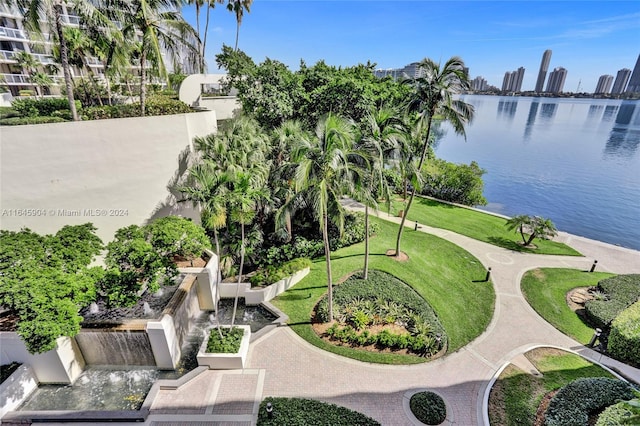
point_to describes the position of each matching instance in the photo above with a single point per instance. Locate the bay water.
(574, 161)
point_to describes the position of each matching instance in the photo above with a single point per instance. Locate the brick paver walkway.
(282, 364)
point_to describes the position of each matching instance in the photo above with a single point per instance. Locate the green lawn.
(438, 270)
(516, 395)
(546, 289)
(477, 225)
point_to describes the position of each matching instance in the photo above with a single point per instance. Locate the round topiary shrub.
(574, 402)
(428, 407)
(624, 338)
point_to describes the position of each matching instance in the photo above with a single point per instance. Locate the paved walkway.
(282, 364)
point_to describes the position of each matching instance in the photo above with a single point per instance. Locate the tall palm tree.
(433, 94)
(162, 30)
(382, 133)
(210, 5)
(238, 7)
(323, 174)
(52, 11)
(29, 66)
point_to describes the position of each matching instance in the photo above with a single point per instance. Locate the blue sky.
(588, 38)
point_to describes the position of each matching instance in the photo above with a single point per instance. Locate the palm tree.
(323, 174)
(383, 132)
(52, 11)
(29, 66)
(535, 226)
(162, 30)
(41, 80)
(238, 7)
(243, 200)
(210, 5)
(433, 95)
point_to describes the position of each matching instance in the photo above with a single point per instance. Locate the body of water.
(574, 161)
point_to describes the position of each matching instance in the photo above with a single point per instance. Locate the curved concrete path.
(283, 364)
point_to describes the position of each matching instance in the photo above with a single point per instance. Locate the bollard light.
(415, 228)
(486, 278)
(269, 409)
(593, 267)
(596, 333)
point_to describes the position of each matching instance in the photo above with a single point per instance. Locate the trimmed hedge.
(157, 105)
(615, 415)
(624, 338)
(573, 403)
(428, 407)
(383, 288)
(41, 107)
(620, 292)
(229, 343)
(272, 274)
(304, 412)
(19, 121)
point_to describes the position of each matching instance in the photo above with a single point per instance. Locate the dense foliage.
(272, 273)
(40, 107)
(457, 183)
(573, 403)
(274, 94)
(142, 257)
(155, 105)
(47, 279)
(619, 414)
(382, 299)
(428, 407)
(303, 412)
(624, 338)
(618, 292)
(228, 343)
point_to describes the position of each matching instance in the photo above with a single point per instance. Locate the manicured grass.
(516, 395)
(477, 225)
(438, 270)
(545, 289)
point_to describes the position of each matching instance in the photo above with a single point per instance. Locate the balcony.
(7, 56)
(15, 79)
(12, 33)
(71, 19)
(10, 57)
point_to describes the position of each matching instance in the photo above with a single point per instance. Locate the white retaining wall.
(17, 388)
(112, 173)
(256, 296)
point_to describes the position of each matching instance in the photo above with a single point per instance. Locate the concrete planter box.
(17, 388)
(225, 361)
(256, 296)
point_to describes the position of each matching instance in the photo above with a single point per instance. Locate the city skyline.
(588, 39)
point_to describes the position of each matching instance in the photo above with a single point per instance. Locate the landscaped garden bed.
(303, 412)
(519, 398)
(226, 352)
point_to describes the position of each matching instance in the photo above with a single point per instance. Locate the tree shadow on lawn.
(509, 245)
(346, 256)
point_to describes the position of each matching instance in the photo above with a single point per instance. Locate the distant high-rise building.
(556, 80)
(479, 83)
(413, 70)
(634, 82)
(604, 84)
(512, 81)
(542, 74)
(621, 81)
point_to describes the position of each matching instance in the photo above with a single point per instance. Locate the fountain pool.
(118, 388)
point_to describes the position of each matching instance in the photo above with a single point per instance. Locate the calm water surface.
(574, 161)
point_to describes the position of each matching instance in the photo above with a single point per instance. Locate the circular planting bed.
(303, 412)
(380, 314)
(428, 407)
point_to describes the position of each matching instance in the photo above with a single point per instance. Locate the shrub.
(7, 112)
(19, 121)
(458, 183)
(272, 274)
(621, 291)
(303, 412)
(574, 402)
(615, 415)
(624, 338)
(175, 236)
(156, 105)
(428, 407)
(353, 232)
(394, 180)
(229, 343)
(41, 107)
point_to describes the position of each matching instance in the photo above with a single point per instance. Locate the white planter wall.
(225, 361)
(256, 296)
(17, 388)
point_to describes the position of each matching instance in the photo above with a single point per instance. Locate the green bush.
(299, 247)
(394, 180)
(229, 343)
(457, 183)
(385, 299)
(615, 415)
(574, 402)
(624, 338)
(272, 274)
(304, 412)
(620, 292)
(353, 232)
(41, 107)
(8, 112)
(175, 236)
(428, 407)
(20, 121)
(155, 105)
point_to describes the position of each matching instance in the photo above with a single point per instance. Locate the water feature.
(118, 388)
(575, 161)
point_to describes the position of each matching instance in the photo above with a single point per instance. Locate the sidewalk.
(283, 364)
